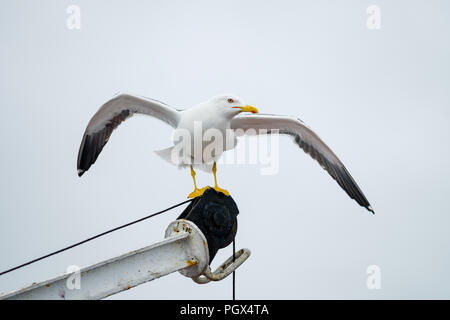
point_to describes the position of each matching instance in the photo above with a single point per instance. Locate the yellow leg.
(216, 187)
(197, 192)
(193, 177)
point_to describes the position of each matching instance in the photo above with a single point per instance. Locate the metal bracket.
(201, 271)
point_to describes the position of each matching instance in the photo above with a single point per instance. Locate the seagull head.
(230, 105)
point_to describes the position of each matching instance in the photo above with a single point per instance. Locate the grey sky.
(379, 98)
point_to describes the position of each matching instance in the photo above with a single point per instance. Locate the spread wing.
(310, 142)
(110, 116)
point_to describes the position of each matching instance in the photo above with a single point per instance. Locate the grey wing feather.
(110, 116)
(310, 142)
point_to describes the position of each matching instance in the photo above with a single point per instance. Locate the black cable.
(234, 273)
(94, 237)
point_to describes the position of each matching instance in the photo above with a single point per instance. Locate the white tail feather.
(176, 159)
(167, 154)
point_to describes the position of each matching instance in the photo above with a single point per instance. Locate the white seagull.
(220, 113)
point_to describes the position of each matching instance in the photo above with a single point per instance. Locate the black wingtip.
(80, 172)
(370, 209)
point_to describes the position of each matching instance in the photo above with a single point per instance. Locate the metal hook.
(225, 268)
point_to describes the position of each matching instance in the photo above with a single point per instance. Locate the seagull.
(222, 113)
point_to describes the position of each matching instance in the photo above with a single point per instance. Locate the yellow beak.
(248, 108)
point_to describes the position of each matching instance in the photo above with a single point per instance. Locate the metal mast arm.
(114, 275)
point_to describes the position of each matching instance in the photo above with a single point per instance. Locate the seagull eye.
(230, 100)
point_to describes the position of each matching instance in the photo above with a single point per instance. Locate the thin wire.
(234, 273)
(94, 237)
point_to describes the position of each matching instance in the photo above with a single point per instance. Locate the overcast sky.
(379, 97)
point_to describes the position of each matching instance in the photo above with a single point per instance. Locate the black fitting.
(216, 216)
